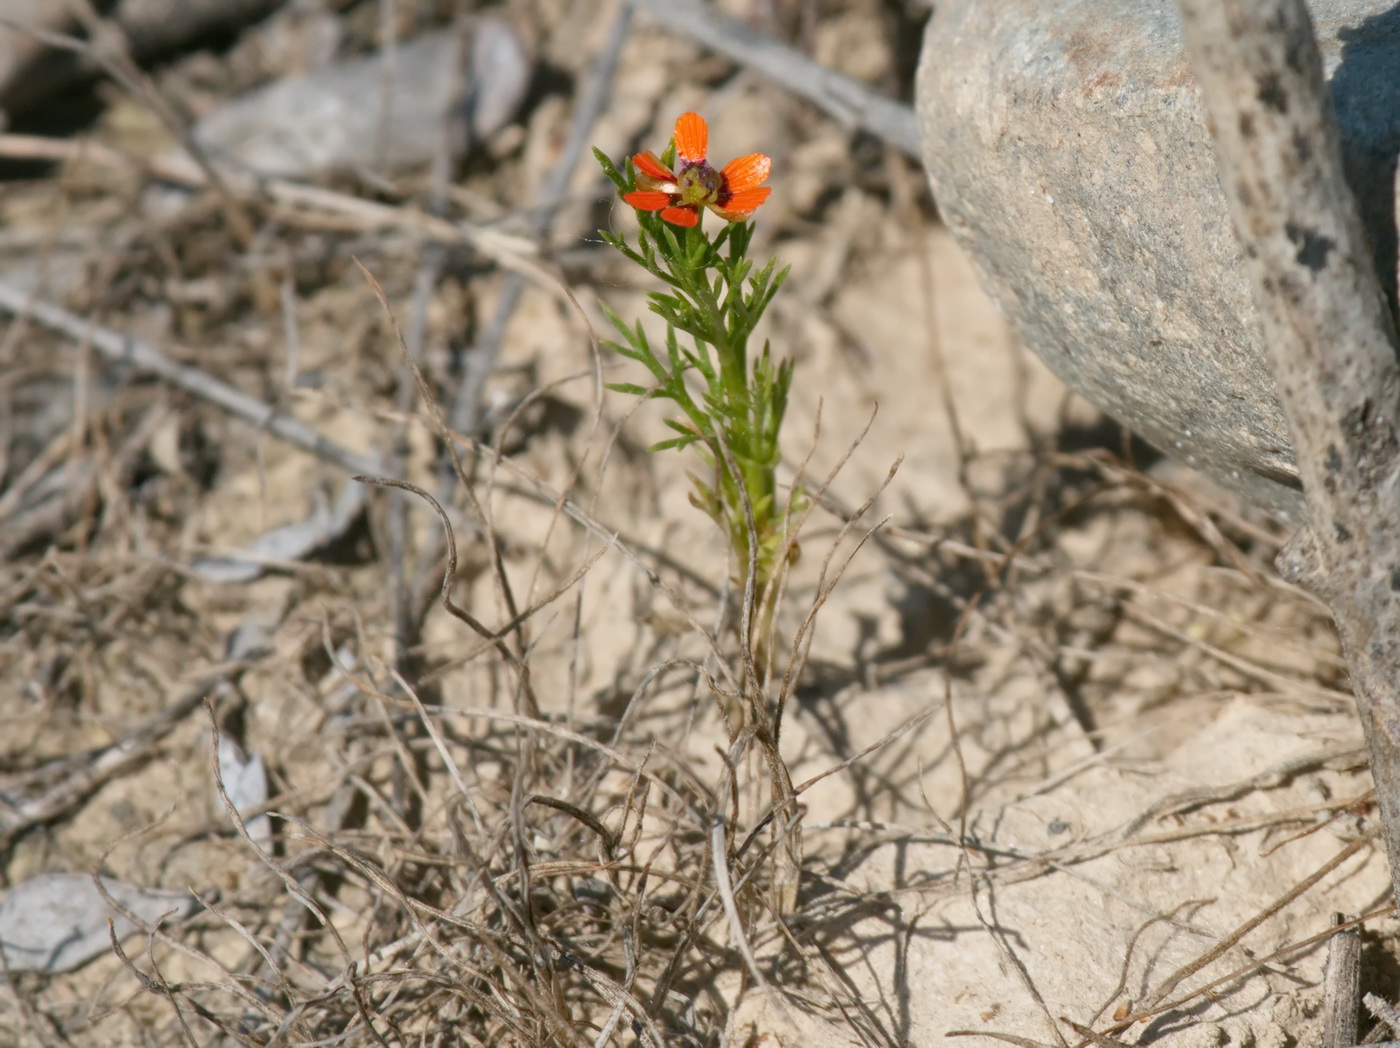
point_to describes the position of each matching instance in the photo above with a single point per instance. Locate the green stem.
(732, 376)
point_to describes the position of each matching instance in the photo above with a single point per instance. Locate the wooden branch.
(1331, 339)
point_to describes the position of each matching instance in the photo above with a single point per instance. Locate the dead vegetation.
(524, 809)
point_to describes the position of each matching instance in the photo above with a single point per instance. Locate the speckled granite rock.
(1069, 155)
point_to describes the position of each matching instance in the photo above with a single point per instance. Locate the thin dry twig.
(115, 61)
(849, 102)
(1171, 982)
(1269, 778)
(1291, 950)
(85, 774)
(465, 416)
(497, 638)
(298, 204)
(719, 857)
(137, 352)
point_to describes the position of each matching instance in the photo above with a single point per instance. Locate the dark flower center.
(699, 183)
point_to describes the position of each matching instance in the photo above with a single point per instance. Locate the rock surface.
(1069, 155)
(384, 111)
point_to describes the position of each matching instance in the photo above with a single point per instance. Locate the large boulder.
(1069, 155)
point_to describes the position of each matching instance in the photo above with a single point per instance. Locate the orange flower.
(733, 193)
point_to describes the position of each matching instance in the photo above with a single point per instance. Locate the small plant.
(731, 400)
(715, 297)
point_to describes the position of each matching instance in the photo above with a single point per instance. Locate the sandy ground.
(1065, 747)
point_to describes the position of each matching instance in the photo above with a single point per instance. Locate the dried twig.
(466, 408)
(1293, 949)
(1331, 339)
(719, 857)
(1175, 979)
(29, 77)
(1269, 778)
(850, 102)
(295, 203)
(128, 349)
(112, 56)
(84, 774)
(430, 267)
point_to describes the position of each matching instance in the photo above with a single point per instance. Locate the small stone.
(381, 112)
(1069, 156)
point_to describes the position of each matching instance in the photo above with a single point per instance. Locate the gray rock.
(1069, 156)
(56, 922)
(381, 112)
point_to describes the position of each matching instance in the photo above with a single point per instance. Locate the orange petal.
(643, 200)
(743, 203)
(682, 216)
(692, 137)
(650, 164)
(746, 172)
